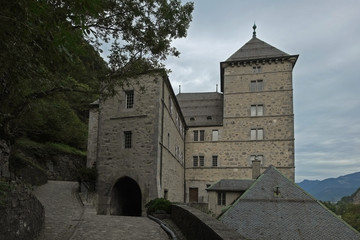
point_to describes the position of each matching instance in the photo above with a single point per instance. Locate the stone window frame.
(254, 157)
(257, 85)
(257, 69)
(215, 162)
(199, 135)
(201, 160)
(195, 161)
(221, 198)
(256, 110)
(215, 137)
(127, 139)
(129, 99)
(256, 134)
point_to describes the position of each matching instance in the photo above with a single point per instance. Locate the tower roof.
(256, 49)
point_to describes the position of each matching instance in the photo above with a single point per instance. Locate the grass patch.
(63, 148)
(37, 149)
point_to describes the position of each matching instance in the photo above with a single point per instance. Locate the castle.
(158, 144)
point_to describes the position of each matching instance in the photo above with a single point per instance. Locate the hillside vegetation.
(50, 67)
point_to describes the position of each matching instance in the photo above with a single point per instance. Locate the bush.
(158, 205)
(88, 174)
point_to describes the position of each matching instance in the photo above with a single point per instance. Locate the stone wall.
(197, 225)
(234, 146)
(21, 215)
(155, 159)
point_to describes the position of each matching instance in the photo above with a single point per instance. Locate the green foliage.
(63, 148)
(348, 211)
(44, 150)
(46, 52)
(158, 204)
(88, 174)
(4, 192)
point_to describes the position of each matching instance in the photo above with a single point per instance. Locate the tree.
(45, 48)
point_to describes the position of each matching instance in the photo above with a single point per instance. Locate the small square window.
(127, 139)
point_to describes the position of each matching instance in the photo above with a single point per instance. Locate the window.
(257, 134)
(127, 139)
(214, 161)
(209, 117)
(215, 135)
(197, 137)
(256, 157)
(257, 69)
(256, 85)
(129, 99)
(257, 110)
(221, 198)
(201, 161)
(192, 119)
(202, 135)
(195, 161)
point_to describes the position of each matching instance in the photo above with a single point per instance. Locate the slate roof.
(292, 214)
(256, 49)
(201, 109)
(231, 185)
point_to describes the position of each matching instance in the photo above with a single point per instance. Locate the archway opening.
(126, 198)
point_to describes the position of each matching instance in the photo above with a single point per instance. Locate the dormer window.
(192, 119)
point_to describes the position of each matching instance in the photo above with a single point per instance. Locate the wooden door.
(193, 194)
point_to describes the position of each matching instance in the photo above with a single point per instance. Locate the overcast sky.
(326, 35)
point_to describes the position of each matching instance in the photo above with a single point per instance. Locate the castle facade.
(158, 144)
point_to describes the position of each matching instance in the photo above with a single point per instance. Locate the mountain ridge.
(332, 189)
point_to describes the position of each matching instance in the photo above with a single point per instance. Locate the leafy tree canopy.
(47, 49)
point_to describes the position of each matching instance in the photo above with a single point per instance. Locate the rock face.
(64, 167)
(21, 214)
(4, 159)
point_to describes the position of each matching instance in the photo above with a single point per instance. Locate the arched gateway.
(126, 198)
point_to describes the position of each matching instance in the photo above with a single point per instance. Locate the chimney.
(179, 88)
(216, 88)
(256, 169)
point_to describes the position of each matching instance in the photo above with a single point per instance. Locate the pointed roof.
(256, 49)
(276, 208)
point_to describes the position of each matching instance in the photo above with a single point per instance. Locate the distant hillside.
(332, 189)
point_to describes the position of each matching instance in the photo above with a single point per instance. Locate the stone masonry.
(182, 144)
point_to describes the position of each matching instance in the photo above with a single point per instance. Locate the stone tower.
(250, 125)
(140, 146)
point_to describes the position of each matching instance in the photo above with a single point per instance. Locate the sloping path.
(67, 219)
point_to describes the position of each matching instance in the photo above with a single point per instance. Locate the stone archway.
(126, 198)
